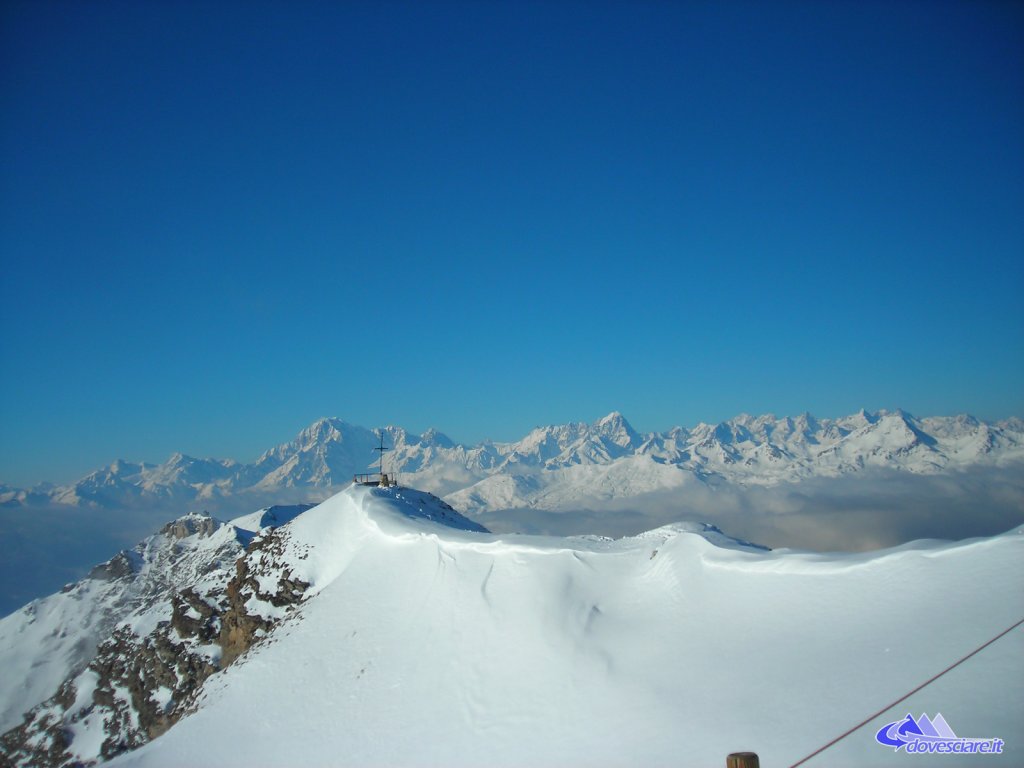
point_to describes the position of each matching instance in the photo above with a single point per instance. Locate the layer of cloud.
(44, 549)
(865, 511)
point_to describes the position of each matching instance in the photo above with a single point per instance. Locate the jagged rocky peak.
(614, 418)
(332, 429)
(433, 437)
(729, 432)
(180, 460)
(746, 420)
(325, 431)
(865, 417)
(806, 423)
(615, 427)
(328, 429)
(968, 421)
(190, 525)
(119, 467)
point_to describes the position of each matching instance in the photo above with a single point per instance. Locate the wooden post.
(742, 760)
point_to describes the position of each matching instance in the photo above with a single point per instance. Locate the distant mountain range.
(554, 466)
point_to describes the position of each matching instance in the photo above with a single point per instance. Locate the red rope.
(887, 707)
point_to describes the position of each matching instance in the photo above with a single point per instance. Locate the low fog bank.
(870, 510)
(44, 548)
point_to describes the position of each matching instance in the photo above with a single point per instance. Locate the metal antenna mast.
(380, 433)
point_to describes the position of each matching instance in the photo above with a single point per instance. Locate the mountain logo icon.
(933, 736)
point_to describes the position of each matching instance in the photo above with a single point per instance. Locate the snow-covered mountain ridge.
(383, 628)
(53, 637)
(119, 657)
(746, 450)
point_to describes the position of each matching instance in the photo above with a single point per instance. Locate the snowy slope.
(119, 657)
(419, 643)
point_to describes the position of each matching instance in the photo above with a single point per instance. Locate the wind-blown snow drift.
(423, 644)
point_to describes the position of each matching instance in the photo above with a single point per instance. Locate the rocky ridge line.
(135, 688)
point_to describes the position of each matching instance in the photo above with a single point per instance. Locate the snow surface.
(425, 644)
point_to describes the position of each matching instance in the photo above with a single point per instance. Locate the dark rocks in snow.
(240, 629)
(44, 745)
(119, 566)
(141, 686)
(193, 617)
(190, 525)
(132, 674)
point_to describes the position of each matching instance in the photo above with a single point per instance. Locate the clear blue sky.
(219, 221)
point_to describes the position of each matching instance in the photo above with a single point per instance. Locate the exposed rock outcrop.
(135, 688)
(190, 525)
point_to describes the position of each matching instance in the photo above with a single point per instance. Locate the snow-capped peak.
(615, 427)
(438, 439)
(747, 449)
(615, 417)
(324, 430)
